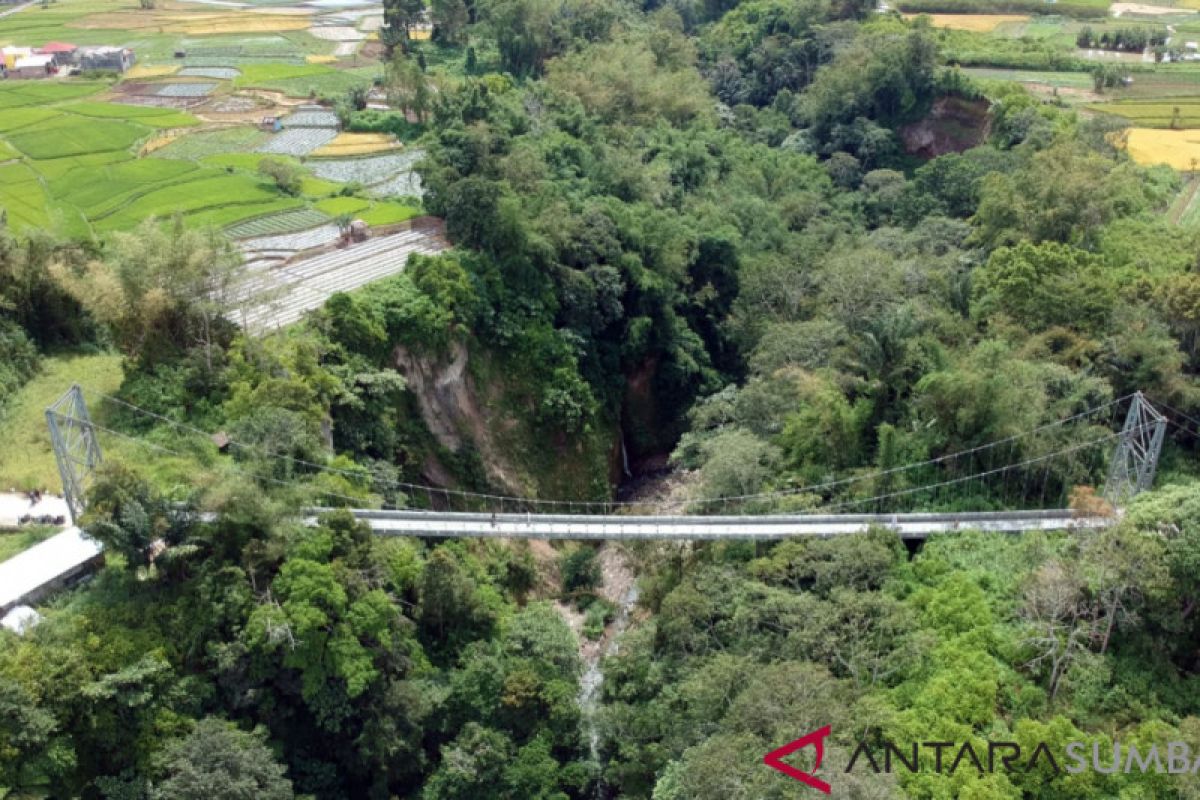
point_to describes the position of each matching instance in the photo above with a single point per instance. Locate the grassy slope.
(26, 460)
(13, 542)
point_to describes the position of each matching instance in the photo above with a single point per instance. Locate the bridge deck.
(565, 526)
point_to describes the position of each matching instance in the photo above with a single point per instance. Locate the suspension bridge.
(1113, 446)
(1110, 448)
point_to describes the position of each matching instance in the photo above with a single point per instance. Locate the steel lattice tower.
(76, 448)
(1136, 458)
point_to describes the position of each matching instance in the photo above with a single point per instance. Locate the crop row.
(367, 171)
(310, 119)
(298, 141)
(186, 90)
(220, 73)
(286, 222)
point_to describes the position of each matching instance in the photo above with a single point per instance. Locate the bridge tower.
(1136, 458)
(76, 449)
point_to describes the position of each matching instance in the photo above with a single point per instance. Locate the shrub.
(580, 570)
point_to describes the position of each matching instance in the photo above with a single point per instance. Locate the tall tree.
(219, 762)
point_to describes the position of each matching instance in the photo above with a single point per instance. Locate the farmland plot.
(279, 297)
(219, 191)
(13, 95)
(101, 191)
(186, 90)
(407, 184)
(69, 136)
(359, 144)
(220, 73)
(337, 33)
(287, 222)
(289, 244)
(153, 116)
(310, 117)
(385, 175)
(206, 143)
(298, 141)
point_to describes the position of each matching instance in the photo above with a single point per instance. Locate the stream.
(593, 672)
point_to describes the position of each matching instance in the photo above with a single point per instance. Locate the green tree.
(33, 753)
(216, 761)
(450, 18)
(1044, 285)
(161, 288)
(288, 177)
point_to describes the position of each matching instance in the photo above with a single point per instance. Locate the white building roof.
(20, 619)
(33, 62)
(43, 563)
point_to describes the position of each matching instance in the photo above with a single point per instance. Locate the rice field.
(1180, 113)
(978, 23)
(305, 80)
(154, 116)
(193, 23)
(1179, 149)
(69, 136)
(30, 93)
(227, 192)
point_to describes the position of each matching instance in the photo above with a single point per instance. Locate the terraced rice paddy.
(302, 80)
(70, 135)
(72, 165)
(87, 157)
(153, 116)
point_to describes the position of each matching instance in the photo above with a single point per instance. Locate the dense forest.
(755, 246)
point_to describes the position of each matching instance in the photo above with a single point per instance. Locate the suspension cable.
(493, 498)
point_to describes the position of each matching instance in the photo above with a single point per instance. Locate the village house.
(10, 55)
(112, 59)
(63, 52)
(34, 66)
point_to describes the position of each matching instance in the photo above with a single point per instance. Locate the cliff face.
(952, 126)
(468, 403)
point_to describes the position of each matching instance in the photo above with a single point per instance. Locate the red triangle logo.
(774, 759)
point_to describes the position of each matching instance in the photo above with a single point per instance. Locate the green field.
(26, 461)
(71, 164)
(74, 136)
(304, 80)
(70, 156)
(1181, 112)
(13, 542)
